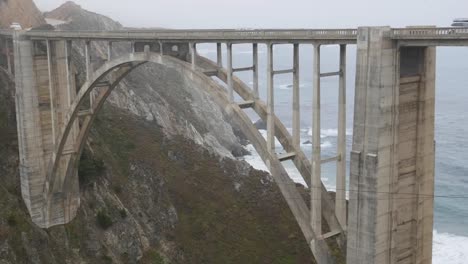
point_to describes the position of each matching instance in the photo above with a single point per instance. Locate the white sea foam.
(448, 248)
(285, 86)
(256, 161)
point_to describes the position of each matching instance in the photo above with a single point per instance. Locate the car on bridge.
(460, 22)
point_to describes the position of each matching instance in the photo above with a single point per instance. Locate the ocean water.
(451, 172)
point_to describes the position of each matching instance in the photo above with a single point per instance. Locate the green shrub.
(106, 260)
(123, 213)
(90, 168)
(104, 220)
(11, 220)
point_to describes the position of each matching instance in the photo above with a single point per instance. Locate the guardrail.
(432, 33)
(245, 34)
(227, 34)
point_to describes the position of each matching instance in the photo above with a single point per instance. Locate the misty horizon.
(266, 14)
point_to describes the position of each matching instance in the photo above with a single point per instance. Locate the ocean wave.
(448, 248)
(289, 86)
(285, 86)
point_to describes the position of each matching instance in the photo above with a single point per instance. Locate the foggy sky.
(273, 13)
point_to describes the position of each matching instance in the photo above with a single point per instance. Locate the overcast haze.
(272, 13)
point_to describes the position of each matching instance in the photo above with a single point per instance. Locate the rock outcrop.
(24, 12)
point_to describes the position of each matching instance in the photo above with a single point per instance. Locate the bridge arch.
(114, 71)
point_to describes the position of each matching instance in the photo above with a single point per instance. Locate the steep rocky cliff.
(24, 12)
(158, 181)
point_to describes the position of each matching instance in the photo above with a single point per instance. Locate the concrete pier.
(392, 161)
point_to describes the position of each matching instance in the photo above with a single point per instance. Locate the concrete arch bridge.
(393, 137)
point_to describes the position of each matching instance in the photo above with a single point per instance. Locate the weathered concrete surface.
(392, 161)
(43, 97)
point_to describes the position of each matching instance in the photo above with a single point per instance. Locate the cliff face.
(24, 12)
(158, 181)
(80, 19)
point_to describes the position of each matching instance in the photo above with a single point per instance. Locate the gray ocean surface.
(451, 173)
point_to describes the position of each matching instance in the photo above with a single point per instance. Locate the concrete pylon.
(42, 71)
(392, 158)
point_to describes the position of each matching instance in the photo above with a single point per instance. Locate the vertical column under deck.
(296, 121)
(193, 53)
(219, 55)
(270, 101)
(316, 182)
(8, 56)
(340, 200)
(229, 72)
(109, 51)
(51, 94)
(88, 59)
(255, 70)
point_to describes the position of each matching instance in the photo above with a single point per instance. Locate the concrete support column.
(270, 101)
(161, 47)
(373, 154)
(219, 54)
(392, 162)
(229, 72)
(132, 47)
(193, 53)
(255, 69)
(340, 201)
(109, 50)
(28, 116)
(316, 180)
(51, 94)
(8, 56)
(88, 59)
(296, 121)
(70, 92)
(71, 88)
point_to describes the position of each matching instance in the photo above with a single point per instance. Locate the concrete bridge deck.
(435, 34)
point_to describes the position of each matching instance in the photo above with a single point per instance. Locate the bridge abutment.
(392, 160)
(42, 72)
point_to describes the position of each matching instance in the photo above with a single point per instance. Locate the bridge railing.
(434, 32)
(199, 35)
